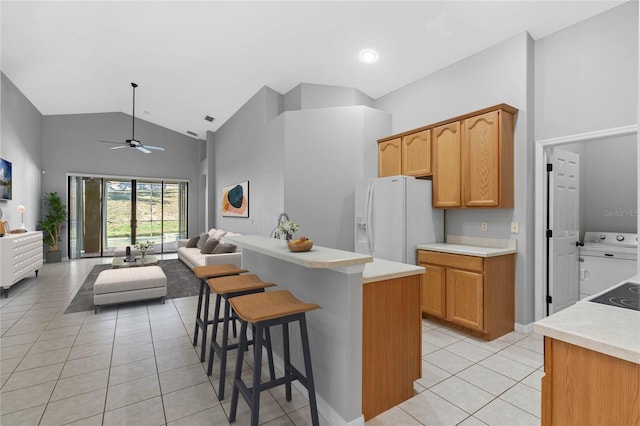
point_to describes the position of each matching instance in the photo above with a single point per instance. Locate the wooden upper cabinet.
(487, 160)
(390, 158)
(447, 165)
(416, 154)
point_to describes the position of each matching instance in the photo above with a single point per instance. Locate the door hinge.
(549, 299)
(549, 233)
(549, 167)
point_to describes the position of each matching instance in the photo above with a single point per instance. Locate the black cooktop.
(625, 296)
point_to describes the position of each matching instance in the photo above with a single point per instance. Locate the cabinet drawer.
(470, 263)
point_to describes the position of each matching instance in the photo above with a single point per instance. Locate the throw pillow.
(203, 239)
(209, 246)
(193, 241)
(224, 248)
(219, 234)
(211, 232)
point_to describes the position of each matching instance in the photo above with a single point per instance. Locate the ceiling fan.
(133, 142)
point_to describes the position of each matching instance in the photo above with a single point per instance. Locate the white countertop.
(380, 270)
(607, 329)
(473, 246)
(317, 257)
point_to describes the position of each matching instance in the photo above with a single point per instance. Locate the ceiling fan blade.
(119, 143)
(118, 147)
(157, 148)
(143, 149)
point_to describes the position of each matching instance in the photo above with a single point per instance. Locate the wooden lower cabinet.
(474, 293)
(391, 343)
(584, 387)
(465, 302)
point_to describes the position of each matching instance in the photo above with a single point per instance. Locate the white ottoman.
(121, 251)
(128, 285)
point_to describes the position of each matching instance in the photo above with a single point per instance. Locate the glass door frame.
(182, 201)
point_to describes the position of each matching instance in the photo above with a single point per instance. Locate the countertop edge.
(468, 250)
(391, 276)
(588, 343)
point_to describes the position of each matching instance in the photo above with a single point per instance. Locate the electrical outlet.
(484, 226)
(515, 228)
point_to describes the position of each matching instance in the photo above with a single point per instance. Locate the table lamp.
(21, 210)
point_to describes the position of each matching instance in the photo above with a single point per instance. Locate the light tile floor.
(135, 365)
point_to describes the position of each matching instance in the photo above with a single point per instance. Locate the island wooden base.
(585, 387)
(391, 343)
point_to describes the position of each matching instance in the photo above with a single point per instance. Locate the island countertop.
(380, 270)
(317, 257)
(606, 329)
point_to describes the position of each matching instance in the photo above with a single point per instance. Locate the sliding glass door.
(106, 212)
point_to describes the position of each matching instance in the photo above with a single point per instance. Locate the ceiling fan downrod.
(133, 116)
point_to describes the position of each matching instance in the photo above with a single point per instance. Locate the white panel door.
(564, 223)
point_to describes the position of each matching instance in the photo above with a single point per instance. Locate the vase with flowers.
(287, 229)
(143, 247)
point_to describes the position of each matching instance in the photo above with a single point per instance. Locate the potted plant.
(51, 225)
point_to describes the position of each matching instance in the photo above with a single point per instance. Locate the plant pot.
(53, 256)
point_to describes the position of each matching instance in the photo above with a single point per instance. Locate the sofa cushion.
(211, 232)
(224, 248)
(209, 246)
(202, 240)
(193, 241)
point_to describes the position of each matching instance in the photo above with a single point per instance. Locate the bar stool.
(227, 288)
(264, 310)
(204, 273)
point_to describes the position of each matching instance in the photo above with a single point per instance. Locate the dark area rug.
(181, 282)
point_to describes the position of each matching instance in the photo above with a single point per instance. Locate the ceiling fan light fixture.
(368, 56)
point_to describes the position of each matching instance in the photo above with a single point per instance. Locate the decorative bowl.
(297, 247)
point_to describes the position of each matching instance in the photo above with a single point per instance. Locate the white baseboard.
(524, 328)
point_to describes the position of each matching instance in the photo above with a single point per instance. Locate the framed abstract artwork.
(235, 200)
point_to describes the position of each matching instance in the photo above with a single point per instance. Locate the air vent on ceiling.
(194, 134)
(209, 118)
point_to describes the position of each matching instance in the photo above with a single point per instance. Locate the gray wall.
(609, 184)
(249, 147)
(326, 151)
(302, 162)
(500, 74)
(21, 143)
(70, 145)
(587, 75)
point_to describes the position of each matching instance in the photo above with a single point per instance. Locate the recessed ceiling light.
(368, 56)
(194, 134)
(209, 118)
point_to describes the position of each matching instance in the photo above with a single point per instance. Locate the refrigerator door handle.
(370, 217)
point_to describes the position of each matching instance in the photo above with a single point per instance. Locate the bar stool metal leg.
(308, 371)
(198, 311)
(242, 346)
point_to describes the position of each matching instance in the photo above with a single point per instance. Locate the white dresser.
(20, 255)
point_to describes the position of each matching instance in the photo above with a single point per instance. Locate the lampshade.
(21, 208)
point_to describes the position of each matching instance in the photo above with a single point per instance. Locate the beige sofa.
(192, 257)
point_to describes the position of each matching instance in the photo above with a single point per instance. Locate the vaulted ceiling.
(193, 59)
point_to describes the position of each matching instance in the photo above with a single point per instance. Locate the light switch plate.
(515, 228)
(484, 226)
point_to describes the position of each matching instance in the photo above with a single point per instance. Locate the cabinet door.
(433, 290)
(481, 160)
(446, 166)
(416, 154)
(465, 303)
(389, 158)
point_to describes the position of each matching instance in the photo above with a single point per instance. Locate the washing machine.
(606, 258)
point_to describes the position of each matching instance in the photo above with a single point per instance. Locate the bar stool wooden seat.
(204, 273)
(227, 288)
(264, 310)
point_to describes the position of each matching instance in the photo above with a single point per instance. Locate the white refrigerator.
(394, 215)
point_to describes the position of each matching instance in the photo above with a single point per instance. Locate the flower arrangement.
(143, 246)
(288, 229)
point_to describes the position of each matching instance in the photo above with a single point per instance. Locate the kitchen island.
(592, 365)
(363, 300)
